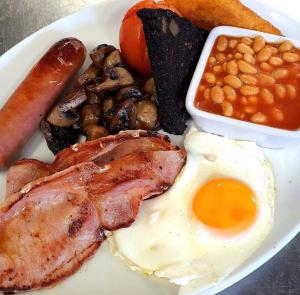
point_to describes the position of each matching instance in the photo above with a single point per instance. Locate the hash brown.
(208, 14)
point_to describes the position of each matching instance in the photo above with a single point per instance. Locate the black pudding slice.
(174, 46)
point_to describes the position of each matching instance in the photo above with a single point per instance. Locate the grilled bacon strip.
(101, 151)
(118, 191)
(47, 233)
(23, 172)
(50, 227)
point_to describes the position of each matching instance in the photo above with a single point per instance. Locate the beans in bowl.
(252, 80)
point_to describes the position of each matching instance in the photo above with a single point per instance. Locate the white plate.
(105, 274)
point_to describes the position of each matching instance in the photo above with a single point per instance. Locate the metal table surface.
(20, 18)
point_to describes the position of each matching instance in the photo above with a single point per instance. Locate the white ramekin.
(263, 135)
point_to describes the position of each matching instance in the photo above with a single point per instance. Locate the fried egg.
(216, 214)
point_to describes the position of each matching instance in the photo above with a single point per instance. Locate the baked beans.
(252, 80)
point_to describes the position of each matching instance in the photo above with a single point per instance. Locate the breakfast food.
(22, 113)
(132, 38)
(106, 98)
(216, 214)
(213, 215)
(48, 231)
(101, 151)
(57, 137)
(174, 46)
(252, 80)
(210, 13)
(55, 223)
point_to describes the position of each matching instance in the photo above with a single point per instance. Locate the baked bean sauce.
(252, 80)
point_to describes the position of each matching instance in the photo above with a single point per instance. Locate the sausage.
(24, 110)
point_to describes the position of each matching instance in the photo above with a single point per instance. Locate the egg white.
(168, 241)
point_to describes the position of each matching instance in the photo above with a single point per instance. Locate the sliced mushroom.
(72, 100)
(94, 131)
(108, 108)
(90, 114)
(62, 119)
(116, 78)
(87, 76)
(58, 138)
(147, 114)
(149, 86)
(99, 53)
(129, 92)
(92, 97)
(108, 105)
(114, 59)
(125, 117)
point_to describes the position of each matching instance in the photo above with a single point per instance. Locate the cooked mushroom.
(149, 86)
(129, 92)
(125, 117)
(94, 131)
(64, 114)
(114, 59)
(72, 100)
(90, 114)
(87, 76)
(92, 97)
(108, 105)
(99, 53)
(116, 78)
(147, 114)
(62, 119)
(58, 138)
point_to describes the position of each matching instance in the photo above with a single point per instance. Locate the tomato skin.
(133, 45)
(132, 38)
(148, 4)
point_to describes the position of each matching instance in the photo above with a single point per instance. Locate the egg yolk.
(225, 204)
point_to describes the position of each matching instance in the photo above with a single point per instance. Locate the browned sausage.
(22, 113)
